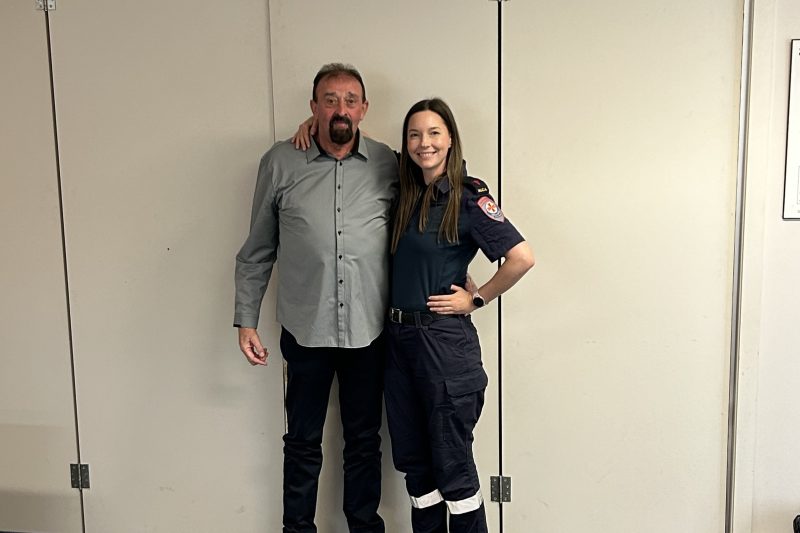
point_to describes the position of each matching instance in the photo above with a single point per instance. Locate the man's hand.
(470, 285)
(251, 347)
(306, 130)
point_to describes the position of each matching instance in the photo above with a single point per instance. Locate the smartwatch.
(477, 299)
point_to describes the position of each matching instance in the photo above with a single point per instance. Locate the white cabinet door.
(37, 422)
(406, 51)
(163, 112)
(620, 130)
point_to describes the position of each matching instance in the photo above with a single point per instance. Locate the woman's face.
(428, 141)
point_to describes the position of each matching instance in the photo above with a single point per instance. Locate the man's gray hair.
(337, 69)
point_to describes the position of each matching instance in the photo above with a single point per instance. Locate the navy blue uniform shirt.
(425, 264)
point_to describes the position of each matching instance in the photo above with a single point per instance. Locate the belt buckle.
(395, 315)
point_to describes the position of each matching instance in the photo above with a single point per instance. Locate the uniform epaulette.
(475, 186)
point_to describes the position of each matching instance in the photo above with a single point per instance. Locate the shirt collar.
(442, 184)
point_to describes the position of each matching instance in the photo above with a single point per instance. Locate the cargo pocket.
(473, 381)
(458, 417)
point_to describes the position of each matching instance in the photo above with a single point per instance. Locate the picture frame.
(791, 188)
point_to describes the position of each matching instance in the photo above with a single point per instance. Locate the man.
(323, 214)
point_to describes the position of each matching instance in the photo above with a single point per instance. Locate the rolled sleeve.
(494, 234)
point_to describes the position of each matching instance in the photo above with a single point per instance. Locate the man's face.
(339, 108)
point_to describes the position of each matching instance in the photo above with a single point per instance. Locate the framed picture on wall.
(791, 187)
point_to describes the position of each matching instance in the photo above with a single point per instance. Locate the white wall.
(620, 156)
(36, 414)
(164, 109)
(768, 469)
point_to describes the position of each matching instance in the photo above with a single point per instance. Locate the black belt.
(415, 318)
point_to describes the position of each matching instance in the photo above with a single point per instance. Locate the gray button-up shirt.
(328, 223)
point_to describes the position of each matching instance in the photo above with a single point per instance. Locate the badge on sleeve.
(480, 186)
(491, 209)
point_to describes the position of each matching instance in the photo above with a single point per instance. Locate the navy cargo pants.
(434, 392)
(310, 375)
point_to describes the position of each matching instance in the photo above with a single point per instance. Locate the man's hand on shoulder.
(302, 137)
(470, 285)
(251, 346)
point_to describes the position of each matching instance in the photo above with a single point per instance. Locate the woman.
(435, 380)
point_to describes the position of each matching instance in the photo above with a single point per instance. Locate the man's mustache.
(342, 118)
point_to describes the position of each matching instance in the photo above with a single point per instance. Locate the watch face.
(478, 300)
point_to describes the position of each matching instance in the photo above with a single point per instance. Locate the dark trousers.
(434, 394)
(310, 375)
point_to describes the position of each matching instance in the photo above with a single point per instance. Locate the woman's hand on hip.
(457, 303)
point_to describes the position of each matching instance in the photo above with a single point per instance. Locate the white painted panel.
(768, 473)
(620, 152)
(406, 51)
(37, 424)
(163, 113)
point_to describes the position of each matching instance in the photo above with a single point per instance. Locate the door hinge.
(79, 474)
(45, 5)
(501, 488)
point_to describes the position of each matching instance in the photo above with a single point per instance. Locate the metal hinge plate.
(79, 474)
(45, 5)
(501, 488)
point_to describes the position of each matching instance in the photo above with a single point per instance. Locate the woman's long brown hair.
(411, 178)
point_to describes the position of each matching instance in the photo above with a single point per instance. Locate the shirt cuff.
(245, 321)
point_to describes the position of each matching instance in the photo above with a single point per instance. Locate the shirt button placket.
(340, 253)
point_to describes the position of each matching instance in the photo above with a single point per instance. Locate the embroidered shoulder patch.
(491, 209)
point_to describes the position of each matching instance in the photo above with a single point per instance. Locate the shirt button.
(339, 187)
(338, 209)
(341, 281)
(339, 232)
(340, 257)
(341, 305)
